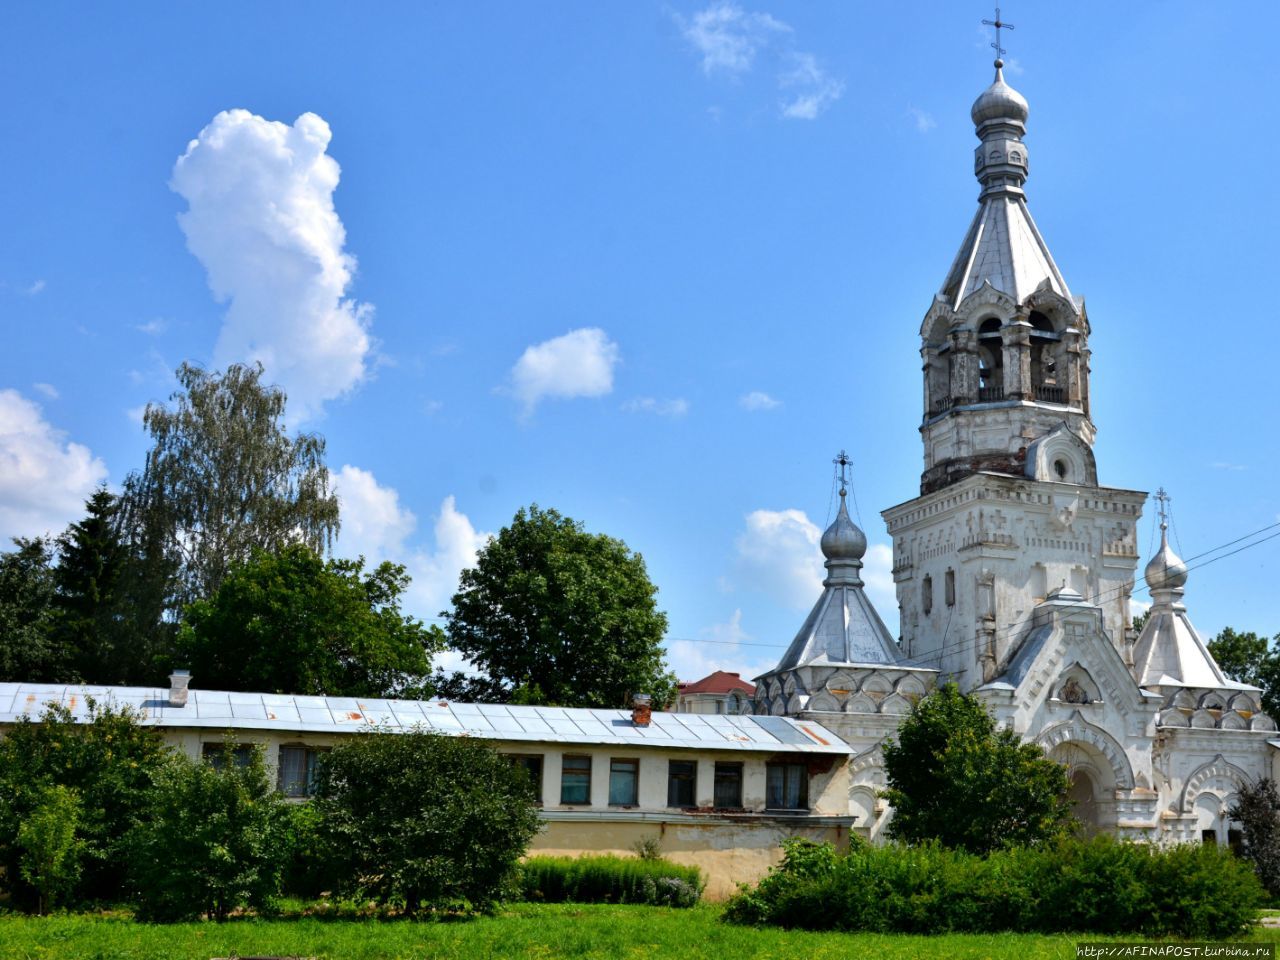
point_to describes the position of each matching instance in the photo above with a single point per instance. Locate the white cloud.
(877, 574)
(779, 555)
(152, 328)
(578, 364)
(44, 478)
(728, 37)
(758, 400)
(35, 289)
(1224, 465)
(676, 407)
(261, 221)
(923, 119)
(376, 525)
(46, 389)
(809, 88)
(722, 646)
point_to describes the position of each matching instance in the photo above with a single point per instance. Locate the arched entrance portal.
(1093, 785)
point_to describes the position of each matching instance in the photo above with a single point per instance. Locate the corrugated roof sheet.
(220, 710)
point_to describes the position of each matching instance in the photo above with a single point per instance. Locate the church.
(1014, 566)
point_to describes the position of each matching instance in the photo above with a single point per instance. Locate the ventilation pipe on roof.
(178, 682)
(641, 709)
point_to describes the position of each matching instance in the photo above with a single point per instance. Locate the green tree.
(423, 820)
(1257, 808)
(953, 777)
(107, 759)
(211, 838)
(51, 852)
(290, 622)
(224, 478)
(561, 616)
(29, 650)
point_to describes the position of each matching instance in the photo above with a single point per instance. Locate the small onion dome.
(843, 540)
(999, 102)
(1166, 571)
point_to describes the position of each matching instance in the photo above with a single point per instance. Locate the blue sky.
(651, 264)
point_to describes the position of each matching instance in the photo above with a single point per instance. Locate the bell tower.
(1010, 517)
(1005, 346)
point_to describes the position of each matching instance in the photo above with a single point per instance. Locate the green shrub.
(1097, 886)
(108, 761)
(610, 879)
(212, 840)
(422, 821)
(50, 851)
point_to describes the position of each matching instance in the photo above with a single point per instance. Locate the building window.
(786, 786)
(926, 595)
(296, 770)
(682, 783)
(1209, 837)
(950, 588)
(728, 786)
(531, 764)
(719, 706)
(215, 754)
(624, 783)
(575, 780)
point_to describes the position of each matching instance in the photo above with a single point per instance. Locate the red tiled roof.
(718, 682)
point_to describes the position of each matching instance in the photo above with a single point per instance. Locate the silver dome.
(999, 102)
(843, 540)
(1166, 571)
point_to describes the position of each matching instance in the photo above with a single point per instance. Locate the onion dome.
(843, 540)
(1166, 571)
(999, 102)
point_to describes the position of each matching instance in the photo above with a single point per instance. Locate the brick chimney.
(178, 682)
(641, 709)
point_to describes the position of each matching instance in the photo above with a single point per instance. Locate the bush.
(50, 851)
(1099, 886)
(1258, 809)
(610, 879)
(423, 821)
(107, 761)
(212, 839)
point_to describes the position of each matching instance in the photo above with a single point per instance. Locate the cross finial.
(843, 462)
(999, 25)
(1162, 499)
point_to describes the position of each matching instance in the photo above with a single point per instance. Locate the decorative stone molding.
(1218, 773)
(1079, 730)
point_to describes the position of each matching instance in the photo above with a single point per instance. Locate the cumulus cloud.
(779, 555)
(44, 478)
(377, 526)
(261, 221)
(722, 646)
(758, 400)
(728, 37)
(675, 407)
(808, 88)
(578, 364)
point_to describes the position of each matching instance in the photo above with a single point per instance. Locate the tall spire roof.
(843, 627)
(1003, 246)
(1169, 651)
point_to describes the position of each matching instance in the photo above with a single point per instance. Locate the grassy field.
(524, 930)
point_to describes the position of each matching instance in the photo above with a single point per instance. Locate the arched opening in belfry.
(990, 361)
(937, 370)
(1047, 380)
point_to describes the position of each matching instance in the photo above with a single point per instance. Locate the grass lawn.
(522, 930)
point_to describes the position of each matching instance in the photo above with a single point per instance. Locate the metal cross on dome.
(999, 25)
(843, 462)
(1163, 499)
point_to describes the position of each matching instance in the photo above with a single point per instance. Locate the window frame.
(674, 779)
(727, 767)
(311, 760)
(565, 772)
(629, 766)
(786, 769)
(211, 752)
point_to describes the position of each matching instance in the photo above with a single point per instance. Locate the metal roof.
(221, 710)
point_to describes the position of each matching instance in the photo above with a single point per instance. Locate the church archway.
(1093, 784)
(1083, 795)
